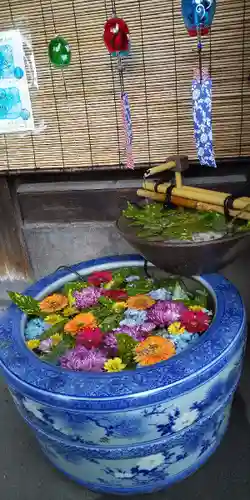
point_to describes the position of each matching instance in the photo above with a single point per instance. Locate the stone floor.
(27, 475)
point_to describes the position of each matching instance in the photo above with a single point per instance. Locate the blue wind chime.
(198, 17)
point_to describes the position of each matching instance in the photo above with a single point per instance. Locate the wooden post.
(14, 259)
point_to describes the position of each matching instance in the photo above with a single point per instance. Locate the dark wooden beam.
(14, 259)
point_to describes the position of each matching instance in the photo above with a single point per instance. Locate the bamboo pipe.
(178, 180)
(199, 194)
(187, 203)
(160, 168)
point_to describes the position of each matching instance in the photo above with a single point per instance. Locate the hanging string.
(176, 82)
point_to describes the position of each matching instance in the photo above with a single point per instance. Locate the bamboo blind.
(80, 104)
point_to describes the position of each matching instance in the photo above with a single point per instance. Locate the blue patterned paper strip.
(127, 124)
(202, 114)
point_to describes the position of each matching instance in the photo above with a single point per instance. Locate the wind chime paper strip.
(15, 104)
(127, 124)
(202, 115)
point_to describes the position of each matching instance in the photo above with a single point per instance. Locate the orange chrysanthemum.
(53, 303)
(153, 350)
(79, 322)
(140, 302)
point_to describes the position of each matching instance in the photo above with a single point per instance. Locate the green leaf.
(55, 353)
(27, 304)
(58, 327)
(74, 286)
(126, 346)
(110, 322)
(140, 286)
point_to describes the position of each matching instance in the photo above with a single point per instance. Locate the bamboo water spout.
(189, 196)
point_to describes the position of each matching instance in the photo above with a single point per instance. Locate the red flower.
(195, 322)
(89, 337)
(99, 277)
(116, 35)
(116, 294)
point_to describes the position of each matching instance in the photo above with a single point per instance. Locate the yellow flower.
(56, 338)
(108, 285)
(140, 302)
(53, 303)
(195, 308)
(32, 344)
(114, 365)
(52, 319)
(69, 311)
(176, 328)
(119, 306)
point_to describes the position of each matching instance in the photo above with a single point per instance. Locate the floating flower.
(99, 277)
(34, 328)
(82, 359)
(160, 294)
(89, 337)
(110, 341)
(196, 308)
(195, 322)
(153, 350)
(46, 345)
(119, 306)
(114, 365)
(33, 344)
(138, 332)
(53, 303)
(79, 322)
(70, 311)
(53, 319)
(140, 301)
(132, 278)
(183, 341)
(56, 339)
(133, 317)
(166, 312)
(176, 328)
(88, 297)
(116, 294)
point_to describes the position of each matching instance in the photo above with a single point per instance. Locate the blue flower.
(182, 341)
(134, 317)
(132, 278)
(160, 294)
(34, 328)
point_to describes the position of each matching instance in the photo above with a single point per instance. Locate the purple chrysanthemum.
(138, 332)
(82, 359)
(87, 297)
(110, 341)
(166, 312)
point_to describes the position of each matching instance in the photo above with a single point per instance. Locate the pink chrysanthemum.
(166, 312)
(82, 359)
(88, 297)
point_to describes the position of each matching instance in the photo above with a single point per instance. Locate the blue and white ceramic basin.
(135, 431)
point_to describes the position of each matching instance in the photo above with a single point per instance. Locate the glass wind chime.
(198, 17)
(116, 39)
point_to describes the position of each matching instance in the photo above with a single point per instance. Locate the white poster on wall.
(15, 104)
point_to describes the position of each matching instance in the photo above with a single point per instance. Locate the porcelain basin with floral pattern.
(137, 430)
